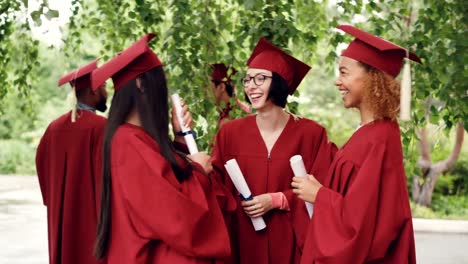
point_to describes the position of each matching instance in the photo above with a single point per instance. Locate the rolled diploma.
(299, 170)
(241, 185)
(189, 140)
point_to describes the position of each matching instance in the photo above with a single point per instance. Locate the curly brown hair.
(382, 92)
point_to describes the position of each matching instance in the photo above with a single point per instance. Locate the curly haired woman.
(362, 212)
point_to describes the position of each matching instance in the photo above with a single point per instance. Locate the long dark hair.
(152, 106)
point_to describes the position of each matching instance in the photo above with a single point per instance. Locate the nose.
(251, 84)
(338, 82)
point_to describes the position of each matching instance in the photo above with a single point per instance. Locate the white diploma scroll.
(189, 140)
(299, 170)
(241, 185)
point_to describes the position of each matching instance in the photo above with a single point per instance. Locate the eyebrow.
(342, 68)
(262, 73)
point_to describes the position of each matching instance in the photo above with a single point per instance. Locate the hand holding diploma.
(300, 183)
(241, 185)
(184, 121)
(258, 206)
(203, 159)
(306, 188)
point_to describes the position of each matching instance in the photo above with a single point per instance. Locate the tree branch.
(445, 165)
(424, 161)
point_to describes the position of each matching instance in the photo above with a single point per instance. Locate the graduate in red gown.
(224, 92)
(68, 163)
(362, 212)
(158, 205)
(262, 144)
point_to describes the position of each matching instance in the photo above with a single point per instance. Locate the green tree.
(441, 89)
(193, 34)
(18, 51)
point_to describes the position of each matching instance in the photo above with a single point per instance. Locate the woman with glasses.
(262, 144)
(362, 210)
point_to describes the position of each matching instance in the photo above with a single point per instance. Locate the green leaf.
(36, 17)
(51, 13)
(25, 3)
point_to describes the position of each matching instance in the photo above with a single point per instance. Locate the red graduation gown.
(362, 214)
(68, 163)
(154, 218)
(282, 239)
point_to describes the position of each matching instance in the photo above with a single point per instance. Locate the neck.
(272, 118)
(225, 99)
(87, 102)
(367, 115)
(133, 118)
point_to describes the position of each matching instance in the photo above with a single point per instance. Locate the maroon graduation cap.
(222, 73)
(376, 52)
(80, 78)
(269, 57)
(127, 65)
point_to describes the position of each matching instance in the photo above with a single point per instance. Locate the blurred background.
(41, 40)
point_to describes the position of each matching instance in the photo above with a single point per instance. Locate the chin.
(349, 104)
(260, 105)
(257, 107)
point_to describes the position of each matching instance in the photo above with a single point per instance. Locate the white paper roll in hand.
(241, 185)
(189, 140)
(297, 165)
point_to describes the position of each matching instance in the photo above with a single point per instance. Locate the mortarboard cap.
(221, 73)
(80, 78)
(269, 57)
(376, 52)
(133, 61)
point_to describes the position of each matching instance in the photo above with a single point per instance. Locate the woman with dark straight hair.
(158, 205)
(262, 145)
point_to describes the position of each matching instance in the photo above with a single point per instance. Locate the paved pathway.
(23, 225)
(23, 229)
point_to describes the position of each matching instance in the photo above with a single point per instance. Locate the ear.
(138, 85)
(94, 92)
(222, 86)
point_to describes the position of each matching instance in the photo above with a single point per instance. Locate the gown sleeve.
(321, 153)
(42, 167)
(343, 226)
(184, 216)
(225, 198)
(225, 188)
(324, 157)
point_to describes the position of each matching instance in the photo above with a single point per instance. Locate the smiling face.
(351, 82)
(257, 84)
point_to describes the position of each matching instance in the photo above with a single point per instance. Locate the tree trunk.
(423, 186)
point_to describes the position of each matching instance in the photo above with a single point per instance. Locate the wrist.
(182, 134)
(180, 140)
(279, 201)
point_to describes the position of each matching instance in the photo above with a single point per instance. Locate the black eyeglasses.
(258, 79)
